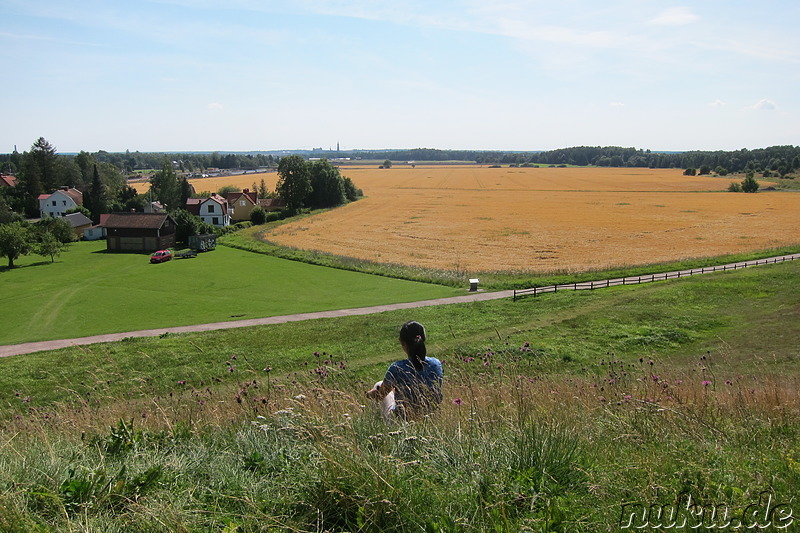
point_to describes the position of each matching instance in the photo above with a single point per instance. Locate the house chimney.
(246, 191)
(64, 187)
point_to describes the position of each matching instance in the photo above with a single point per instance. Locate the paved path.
(30, 347)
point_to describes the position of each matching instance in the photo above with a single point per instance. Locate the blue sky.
(177, 75)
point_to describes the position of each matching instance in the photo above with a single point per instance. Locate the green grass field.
(559, 411)
(88, 291)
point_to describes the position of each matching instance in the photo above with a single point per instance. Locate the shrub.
(258, 216)
(734, 187)
(750, 184)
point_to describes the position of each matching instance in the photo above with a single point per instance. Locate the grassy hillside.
(566, 412)
(88, 291)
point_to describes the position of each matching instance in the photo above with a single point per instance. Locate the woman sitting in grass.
(412, 387)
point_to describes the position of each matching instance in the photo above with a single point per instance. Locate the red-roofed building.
(56, 204)
(241, 203)
(213, 210)
(7, 181)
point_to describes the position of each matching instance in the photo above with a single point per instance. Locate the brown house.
(139, 232)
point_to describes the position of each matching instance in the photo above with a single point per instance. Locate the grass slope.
(570, 412)
(88, 291)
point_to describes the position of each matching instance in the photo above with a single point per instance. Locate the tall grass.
(509, 450)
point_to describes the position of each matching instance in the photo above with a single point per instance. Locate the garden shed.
(139, 232)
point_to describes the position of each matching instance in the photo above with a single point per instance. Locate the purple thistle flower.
(706, 383)
(457, 401)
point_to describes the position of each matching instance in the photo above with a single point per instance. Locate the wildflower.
(457, 401)
(728, 382)
(678, 381)
(268, 369)
(181, 382)
(706, 383)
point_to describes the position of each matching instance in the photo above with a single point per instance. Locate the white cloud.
(617, 105)
(716, 103)
(765, 105)
(216, 106)
(675, 16)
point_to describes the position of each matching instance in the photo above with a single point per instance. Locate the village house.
(139, 232)
(56, 204)
(213, 210)
(79, 223)
(241, 204)
(7, 181)
(98, 231)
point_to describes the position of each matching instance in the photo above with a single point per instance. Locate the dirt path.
(30, 347)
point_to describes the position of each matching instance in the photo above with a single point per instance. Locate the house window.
(63, 202)
(210, 208)
(215, 221)
(54, 203)
(241, 203)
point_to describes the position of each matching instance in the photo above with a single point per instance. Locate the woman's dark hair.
(412, 334)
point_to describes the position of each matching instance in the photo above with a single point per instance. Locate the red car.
(161, 256)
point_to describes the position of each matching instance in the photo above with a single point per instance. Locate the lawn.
(88, 291)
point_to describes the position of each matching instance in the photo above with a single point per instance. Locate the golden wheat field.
(477, 219)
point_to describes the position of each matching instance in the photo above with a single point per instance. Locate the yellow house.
(241, 203)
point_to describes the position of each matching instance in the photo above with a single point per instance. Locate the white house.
(213, 210)
(56, 204)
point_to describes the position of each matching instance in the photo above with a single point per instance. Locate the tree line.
(779, 159)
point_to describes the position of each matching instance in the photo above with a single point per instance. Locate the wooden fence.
(647, 278)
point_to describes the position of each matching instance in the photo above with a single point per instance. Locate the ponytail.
(412, 334)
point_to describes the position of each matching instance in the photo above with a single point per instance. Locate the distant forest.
(780, 159)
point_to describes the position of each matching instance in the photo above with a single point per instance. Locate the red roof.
(8, 181)
(233, 197)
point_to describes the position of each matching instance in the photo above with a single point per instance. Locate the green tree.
(186, 225)
(7, 215)
(96, 199)
(49, 245)
(327, 185)
(263, 192)
(386, 164)
(294, 182)
(58, 227)
(258, 216)
(690, 172)
(165, 187)
(749, 184)
(15, 240)
(43, 158)
(350, 191)
(186, 191)
(225, 189)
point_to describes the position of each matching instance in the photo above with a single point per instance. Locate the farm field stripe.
(31, 347)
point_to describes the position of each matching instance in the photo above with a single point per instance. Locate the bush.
(734, 187)
(690, 172)
(750, 184)
(258, 216)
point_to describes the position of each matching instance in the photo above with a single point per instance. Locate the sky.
(246, 75)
